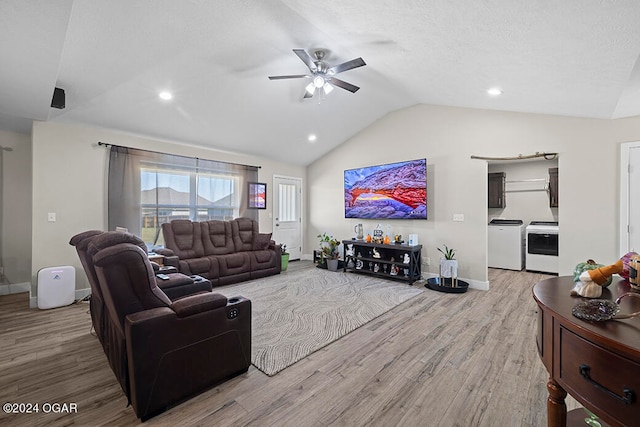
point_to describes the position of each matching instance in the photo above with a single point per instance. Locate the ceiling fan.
(322, 74)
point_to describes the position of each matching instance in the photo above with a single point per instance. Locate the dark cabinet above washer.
(497, 190)
(553, 187)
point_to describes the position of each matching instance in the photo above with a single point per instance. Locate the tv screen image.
(390, 191)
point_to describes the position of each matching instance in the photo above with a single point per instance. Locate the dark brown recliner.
(177, 286)
(163, 352)
(96, 303)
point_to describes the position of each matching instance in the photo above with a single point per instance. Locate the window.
(148, 189)
(199, 196)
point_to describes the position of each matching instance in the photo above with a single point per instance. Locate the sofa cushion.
(184, 238)
(243, 231)
(261, 260)
(216, 237)
(261, 241)
(236, 263)
(199, 266)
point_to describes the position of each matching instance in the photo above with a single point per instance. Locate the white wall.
(69, 178)
(447, 137)
(528, 201)
(16, 207)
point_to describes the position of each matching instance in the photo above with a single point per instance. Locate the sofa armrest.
(165, 252)
(276, 247)
(198, 303)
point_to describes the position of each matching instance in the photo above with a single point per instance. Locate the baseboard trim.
(15, 288)
(79, 294)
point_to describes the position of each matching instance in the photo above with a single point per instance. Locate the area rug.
(298, 312)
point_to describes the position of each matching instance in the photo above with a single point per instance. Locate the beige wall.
(16, 209)
(69, 178)
(447, 137)
(69, 171)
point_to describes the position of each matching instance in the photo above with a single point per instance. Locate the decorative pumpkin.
(588, 265)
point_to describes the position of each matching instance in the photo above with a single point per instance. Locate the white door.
(630, 197)
(287, 215)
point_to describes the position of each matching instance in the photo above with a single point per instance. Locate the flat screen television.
(390, 191)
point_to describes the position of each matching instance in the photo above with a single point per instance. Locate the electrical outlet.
(458, 217)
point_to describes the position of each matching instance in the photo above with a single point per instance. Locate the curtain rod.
(547, 156)
(106, 144)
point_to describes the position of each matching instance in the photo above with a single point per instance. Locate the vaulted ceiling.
(113, 57)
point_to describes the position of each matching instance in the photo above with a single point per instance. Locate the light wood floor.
(464, 360)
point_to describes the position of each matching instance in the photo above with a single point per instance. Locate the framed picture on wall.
(257, 195)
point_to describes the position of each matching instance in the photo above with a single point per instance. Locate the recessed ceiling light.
(494, 91)
(165, 95)
(312, 138)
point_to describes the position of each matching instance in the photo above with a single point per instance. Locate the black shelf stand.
(363, 262)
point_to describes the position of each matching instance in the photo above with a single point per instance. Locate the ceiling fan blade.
(354, 63)
(344, 85)
(293, 76)
(308, 60)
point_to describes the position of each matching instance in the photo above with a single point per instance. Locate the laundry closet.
(522, 202)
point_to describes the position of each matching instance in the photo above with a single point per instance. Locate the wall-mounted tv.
(390, 191)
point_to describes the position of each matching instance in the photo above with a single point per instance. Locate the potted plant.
(285, 256)
(329, 247)
(448, 264)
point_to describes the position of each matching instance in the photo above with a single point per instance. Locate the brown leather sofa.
(161, 351)
(222, 251)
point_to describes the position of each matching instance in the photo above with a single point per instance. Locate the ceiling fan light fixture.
(327, 88)
(311, 88)
(318, 81)
(165, 95)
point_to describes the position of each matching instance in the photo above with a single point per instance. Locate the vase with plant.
(448, 264)
(284, 257)
(329, 247)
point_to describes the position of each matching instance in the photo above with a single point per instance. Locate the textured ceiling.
(112, 57)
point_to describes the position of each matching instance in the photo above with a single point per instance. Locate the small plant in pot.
(330, 250)
(448, 264)
(285, 256)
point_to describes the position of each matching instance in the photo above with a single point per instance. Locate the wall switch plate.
(458, 217)
(51, 217)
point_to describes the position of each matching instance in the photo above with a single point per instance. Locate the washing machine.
(506, 244)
